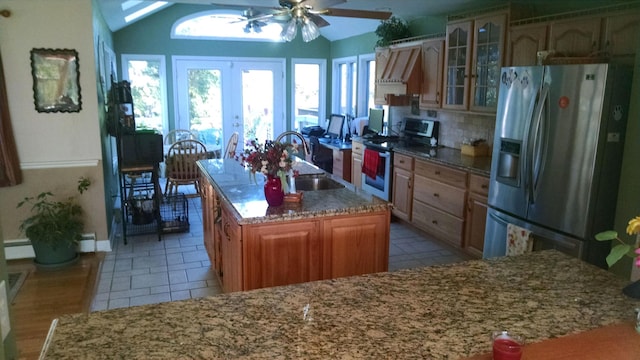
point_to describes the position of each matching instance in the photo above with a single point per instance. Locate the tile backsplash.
(455, 127)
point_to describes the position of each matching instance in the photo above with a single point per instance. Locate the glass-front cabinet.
(474, 55)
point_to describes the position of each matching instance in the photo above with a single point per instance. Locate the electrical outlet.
(5, 324)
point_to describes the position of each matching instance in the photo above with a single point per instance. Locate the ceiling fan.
(306, 14)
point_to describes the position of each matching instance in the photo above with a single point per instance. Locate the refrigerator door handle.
(498, 219)
(534, 156)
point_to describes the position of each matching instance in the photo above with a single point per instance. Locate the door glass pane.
(354, 88)
(307, 95)
(144, 76)
(257, 104)
(205, 106)
(371, 72)
(344, 93)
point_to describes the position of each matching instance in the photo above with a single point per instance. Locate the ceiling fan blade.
(362, 14)
(321, 4)
(318, 20)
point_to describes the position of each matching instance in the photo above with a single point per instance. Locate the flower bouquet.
(272, 159)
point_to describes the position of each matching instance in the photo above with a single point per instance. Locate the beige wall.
(54, 148)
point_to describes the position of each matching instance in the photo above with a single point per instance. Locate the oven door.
(380, 185)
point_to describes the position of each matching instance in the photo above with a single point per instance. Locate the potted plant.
(391, 29)
(54, 227)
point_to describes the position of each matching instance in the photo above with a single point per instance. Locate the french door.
(216, 97)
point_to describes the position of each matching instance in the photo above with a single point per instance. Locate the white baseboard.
(22, 249)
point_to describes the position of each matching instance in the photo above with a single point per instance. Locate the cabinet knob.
(484, 186)
(436, 195)
(437, 172)
(434, 222)
(401, 161)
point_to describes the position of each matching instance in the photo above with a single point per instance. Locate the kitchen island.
(437, 312)
(332, 232)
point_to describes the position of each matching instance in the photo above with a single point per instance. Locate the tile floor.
(147, 271)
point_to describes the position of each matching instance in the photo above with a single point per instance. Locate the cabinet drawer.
(454, 177)
(357, 148)
(479, 184)
(403, 161)
(438, 223)
(442, 196)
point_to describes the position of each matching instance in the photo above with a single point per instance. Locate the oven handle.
(384, 154)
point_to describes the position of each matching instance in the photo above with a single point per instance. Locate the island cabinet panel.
(281, 254)
(355, 245)
(211, 225)
(231, 248)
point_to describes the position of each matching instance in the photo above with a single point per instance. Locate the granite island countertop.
(245, 192)
(437, 312)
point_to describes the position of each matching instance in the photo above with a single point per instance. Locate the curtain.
(10, 173)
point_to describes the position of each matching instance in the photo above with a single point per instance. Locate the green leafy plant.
(391, 29)
(55, 222)
(622, 248)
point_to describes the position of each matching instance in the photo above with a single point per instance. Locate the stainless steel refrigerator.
(557, 153)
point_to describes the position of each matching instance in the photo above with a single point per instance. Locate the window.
(224, 25)
(353, 91)
(308, 92)
(345, 75)
(146, 73)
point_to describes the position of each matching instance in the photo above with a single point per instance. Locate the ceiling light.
(290, 30)
(309, 30)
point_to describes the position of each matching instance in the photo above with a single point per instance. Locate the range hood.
(402, 71)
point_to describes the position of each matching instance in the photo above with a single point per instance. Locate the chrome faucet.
(295, 133)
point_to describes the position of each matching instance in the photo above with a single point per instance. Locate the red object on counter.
(506, 349)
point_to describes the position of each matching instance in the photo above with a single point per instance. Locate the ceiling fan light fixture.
(309, 30)
(290, 30)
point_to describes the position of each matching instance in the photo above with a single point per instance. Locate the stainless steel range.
(377, 169)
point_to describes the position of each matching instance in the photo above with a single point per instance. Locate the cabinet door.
(488, 45)
(476, 222)
(457, 62)
(231, 248)
(438, 223)
(382, 59)
(524, 44)
(342, 164)
(402, 193)
(579, 37)
(275, 256)
(621, 35)
(432, 69)
(356, 170)
(355, 245)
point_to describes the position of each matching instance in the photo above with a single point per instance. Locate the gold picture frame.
(56, 80)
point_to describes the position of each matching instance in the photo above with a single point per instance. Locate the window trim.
(125, 58)
(363, 80)
(335, 81)
(178, 22)
(322, 92)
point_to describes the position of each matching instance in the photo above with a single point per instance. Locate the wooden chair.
(181, 165)
(177, 135)
(230, 151)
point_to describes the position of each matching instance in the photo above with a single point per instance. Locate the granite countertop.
(245, 192)
(437, 312)
(449, 156)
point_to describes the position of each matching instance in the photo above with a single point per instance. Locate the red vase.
(273, 191)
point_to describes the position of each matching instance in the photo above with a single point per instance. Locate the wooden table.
(618, 341)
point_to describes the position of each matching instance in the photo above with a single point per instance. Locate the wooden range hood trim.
(402, 74)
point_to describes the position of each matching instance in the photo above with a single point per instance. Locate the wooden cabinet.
(575, 37)
(621, 34)
(398, 74)
(357, 153)
(274, 257)
(474, 52)
(439, 197)
(231, 252)
(211, 218)
(476, 214)
(432, 73)
(355, 246)
(524, 43)
(342, 164)
(402, 193)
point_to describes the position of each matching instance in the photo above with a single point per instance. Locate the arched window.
(225, 25)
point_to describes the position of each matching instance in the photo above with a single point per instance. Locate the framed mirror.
(56, 80)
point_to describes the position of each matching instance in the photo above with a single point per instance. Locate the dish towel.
(519, 240)
(370, 163)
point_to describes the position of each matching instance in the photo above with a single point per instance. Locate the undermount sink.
(316, 182)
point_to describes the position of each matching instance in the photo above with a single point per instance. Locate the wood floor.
(48, 294)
